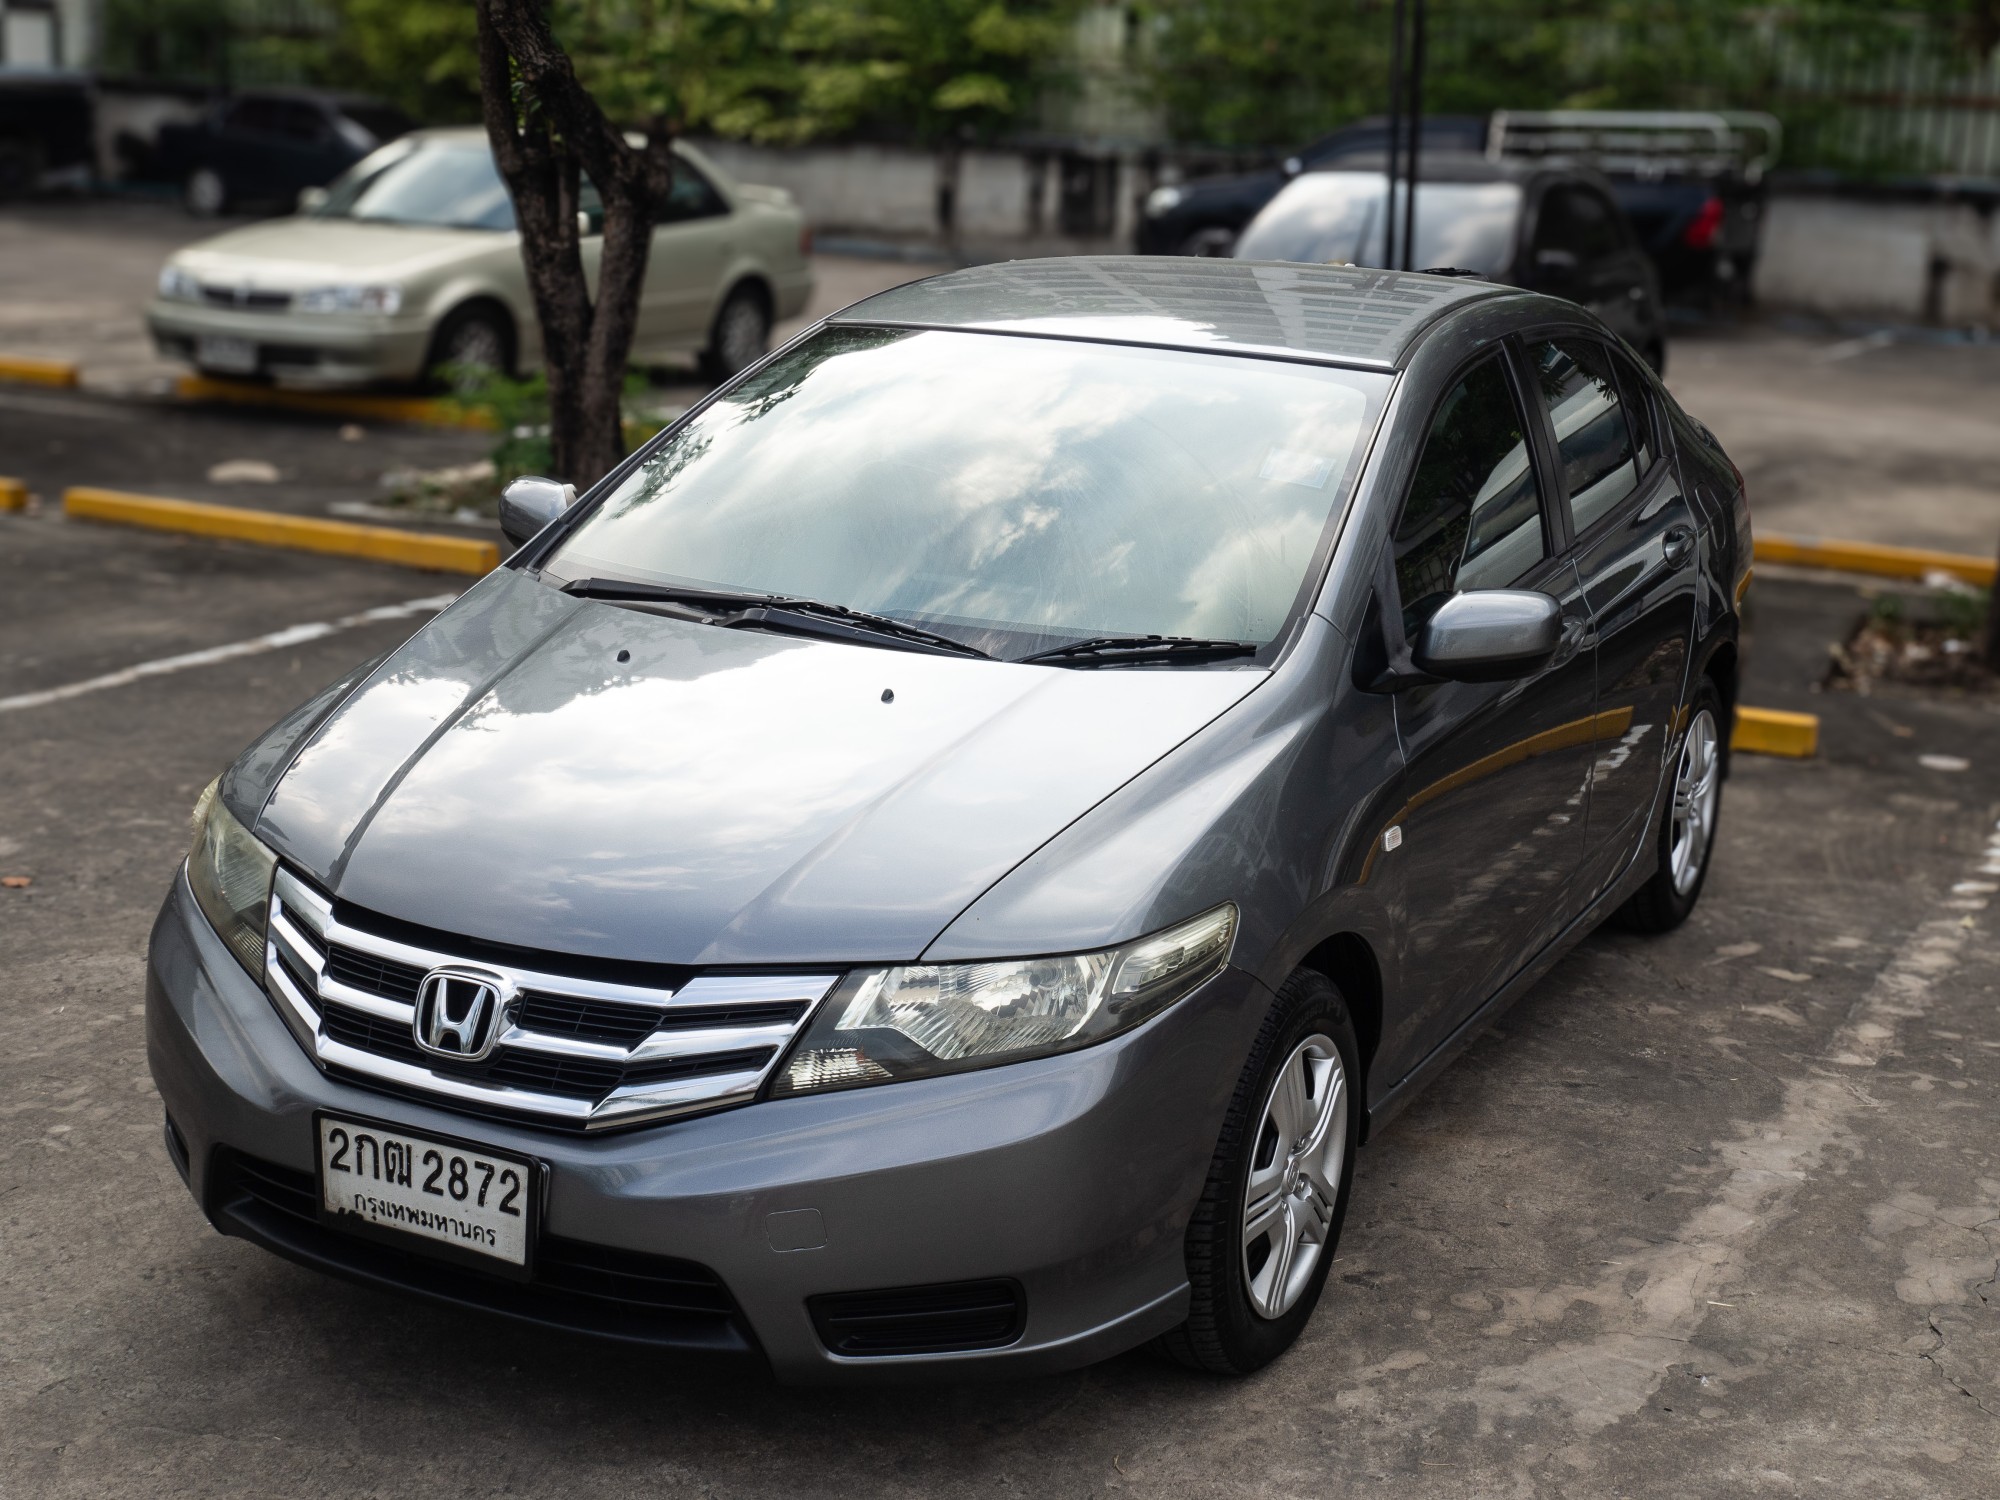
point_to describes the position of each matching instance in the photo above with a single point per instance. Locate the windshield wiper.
(735, 609)
(1111, 649)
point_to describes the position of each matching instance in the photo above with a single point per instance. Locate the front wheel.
(205, 193)
(471, 344)
(1262, 1238)
(1687, 831)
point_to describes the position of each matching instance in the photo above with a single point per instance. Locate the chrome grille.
(582, 1053)
(244, 299)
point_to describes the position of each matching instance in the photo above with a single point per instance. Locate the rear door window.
(1473, 519)
(691, 197)
(1640, 412)
(1593, 440)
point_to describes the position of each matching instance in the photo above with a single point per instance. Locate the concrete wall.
(1836, 253)
(1002, 198)
(1852, 256)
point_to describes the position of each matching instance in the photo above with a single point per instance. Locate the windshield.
(1337, 216)
(436, 184)
(1011, 492)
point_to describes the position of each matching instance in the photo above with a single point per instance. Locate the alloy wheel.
(474, 345)
(1298, 1156)
(1697, 787)
(206, 192)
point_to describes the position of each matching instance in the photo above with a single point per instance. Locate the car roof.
(1326, 314)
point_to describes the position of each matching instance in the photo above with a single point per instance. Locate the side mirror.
(529, 504)
(311, 198)
(1489, 635)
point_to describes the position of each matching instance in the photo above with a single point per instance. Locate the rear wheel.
(205, 193)
(1687, 831)
(741, 336)
(1262, 1238)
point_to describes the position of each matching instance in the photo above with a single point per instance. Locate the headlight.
(362, 299)
(177, 285)
(1163, 200)
(230, 874)
(917, 1020)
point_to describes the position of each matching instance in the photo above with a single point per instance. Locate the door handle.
(1677, 543)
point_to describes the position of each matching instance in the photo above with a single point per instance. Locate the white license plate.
(233, 356)
(466, 1198)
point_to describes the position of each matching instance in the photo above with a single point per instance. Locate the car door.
(301, 150)
(691, 248)
(239, 142)
(1635, 554)
(1492, 815)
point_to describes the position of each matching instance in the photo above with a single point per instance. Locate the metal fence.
(1888, 102)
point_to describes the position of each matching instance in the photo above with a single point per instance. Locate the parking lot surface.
(1716, 1214)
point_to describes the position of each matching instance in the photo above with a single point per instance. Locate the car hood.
(289, 254)
(718, 797)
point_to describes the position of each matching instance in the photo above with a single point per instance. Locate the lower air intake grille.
(622, 1294)
(921, 1319)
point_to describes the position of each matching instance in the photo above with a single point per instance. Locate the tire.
(740, 336)
(205, 194)
(470, 338)
(1213, 240)
(1245, 1311)
(1694, 796)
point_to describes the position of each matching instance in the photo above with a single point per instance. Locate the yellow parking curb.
(427, 410)
(13, 495)
(24, 369)
(1872, 557)
(1772, 731)
(413, 549)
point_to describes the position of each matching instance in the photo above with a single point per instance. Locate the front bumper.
(297, 348)
(1071, 1177)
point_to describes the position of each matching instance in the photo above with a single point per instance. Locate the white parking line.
(277, 640)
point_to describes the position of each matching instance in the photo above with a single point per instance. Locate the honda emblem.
(461, 1012)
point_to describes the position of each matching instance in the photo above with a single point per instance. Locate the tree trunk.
(547, 134)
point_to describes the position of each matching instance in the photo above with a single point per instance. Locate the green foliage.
(765, 70)
(518, 413)
(420, 54)
(518, 410)
(1962, 612)
(1273, 72)
(178, 39)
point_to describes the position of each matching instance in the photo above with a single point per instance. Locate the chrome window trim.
(301, 918)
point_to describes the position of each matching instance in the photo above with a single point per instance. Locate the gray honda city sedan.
(938, 862)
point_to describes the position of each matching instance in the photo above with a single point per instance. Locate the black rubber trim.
(596, 1290)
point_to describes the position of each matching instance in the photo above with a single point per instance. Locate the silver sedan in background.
(411, 263)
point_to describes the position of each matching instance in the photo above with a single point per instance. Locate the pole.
(1416, 134)
(1992, 642)
(1395, 135)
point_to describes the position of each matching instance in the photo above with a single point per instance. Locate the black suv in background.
(268, 145)
(1549, 229)
(1689, 182)
(1204, 216)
